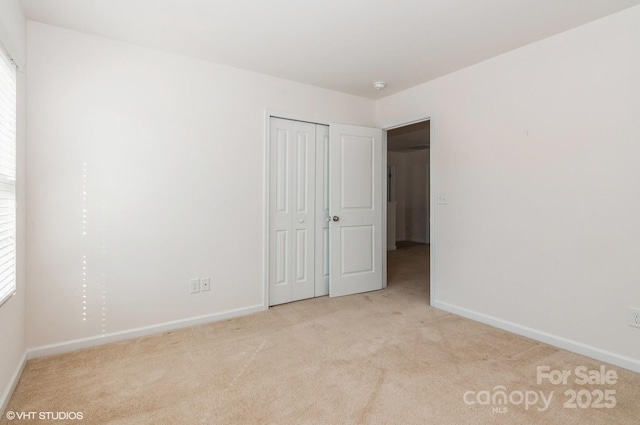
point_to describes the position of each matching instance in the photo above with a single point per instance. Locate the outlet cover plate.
(634, 317)
(194, 285)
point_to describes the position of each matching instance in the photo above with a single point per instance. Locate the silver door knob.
(336, 218)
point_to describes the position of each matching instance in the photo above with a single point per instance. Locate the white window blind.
(7, 177)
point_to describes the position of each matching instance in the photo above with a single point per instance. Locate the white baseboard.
(6, 396)
(77, 344)
(557, 341)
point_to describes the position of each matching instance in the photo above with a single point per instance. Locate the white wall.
(537, 151)
(412, 212)
(417, 205)
(12, 313)
(399, 160)
(171, 151)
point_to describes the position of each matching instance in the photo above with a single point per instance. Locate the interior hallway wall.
(417, 202)
(411, 182)
(399, 161)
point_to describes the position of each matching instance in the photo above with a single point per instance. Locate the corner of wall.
(12, 384)
(12, 314)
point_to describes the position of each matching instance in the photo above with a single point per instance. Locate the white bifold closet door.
(326, 195)
(292, 214)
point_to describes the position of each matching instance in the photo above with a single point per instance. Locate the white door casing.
(292, 210)
(356, 204)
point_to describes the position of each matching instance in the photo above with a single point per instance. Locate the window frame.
(8, 176)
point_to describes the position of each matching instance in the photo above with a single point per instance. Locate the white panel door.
(322, 210)
(291, 211)
(356, 203)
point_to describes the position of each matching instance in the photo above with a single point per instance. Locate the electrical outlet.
(205, 284)
(194, 285)
(634, 317)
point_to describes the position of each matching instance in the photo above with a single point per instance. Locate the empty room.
(329, 212)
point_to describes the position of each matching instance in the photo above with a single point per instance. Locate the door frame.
(268, 114)
(398, 124)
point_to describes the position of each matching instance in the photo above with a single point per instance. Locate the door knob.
(336, 218)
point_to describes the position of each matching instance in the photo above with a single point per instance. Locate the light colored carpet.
(383, 357)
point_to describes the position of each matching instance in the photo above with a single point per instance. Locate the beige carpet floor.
(383, 357)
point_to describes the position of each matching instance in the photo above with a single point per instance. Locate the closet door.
(291, 210)
(322, 210)
(356, 202)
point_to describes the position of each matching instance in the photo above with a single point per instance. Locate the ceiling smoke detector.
(379, 85)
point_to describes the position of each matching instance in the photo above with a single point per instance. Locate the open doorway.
(408, 207)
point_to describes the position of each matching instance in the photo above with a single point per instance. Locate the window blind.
(7, 177)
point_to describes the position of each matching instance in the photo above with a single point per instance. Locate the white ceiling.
(343, 45)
